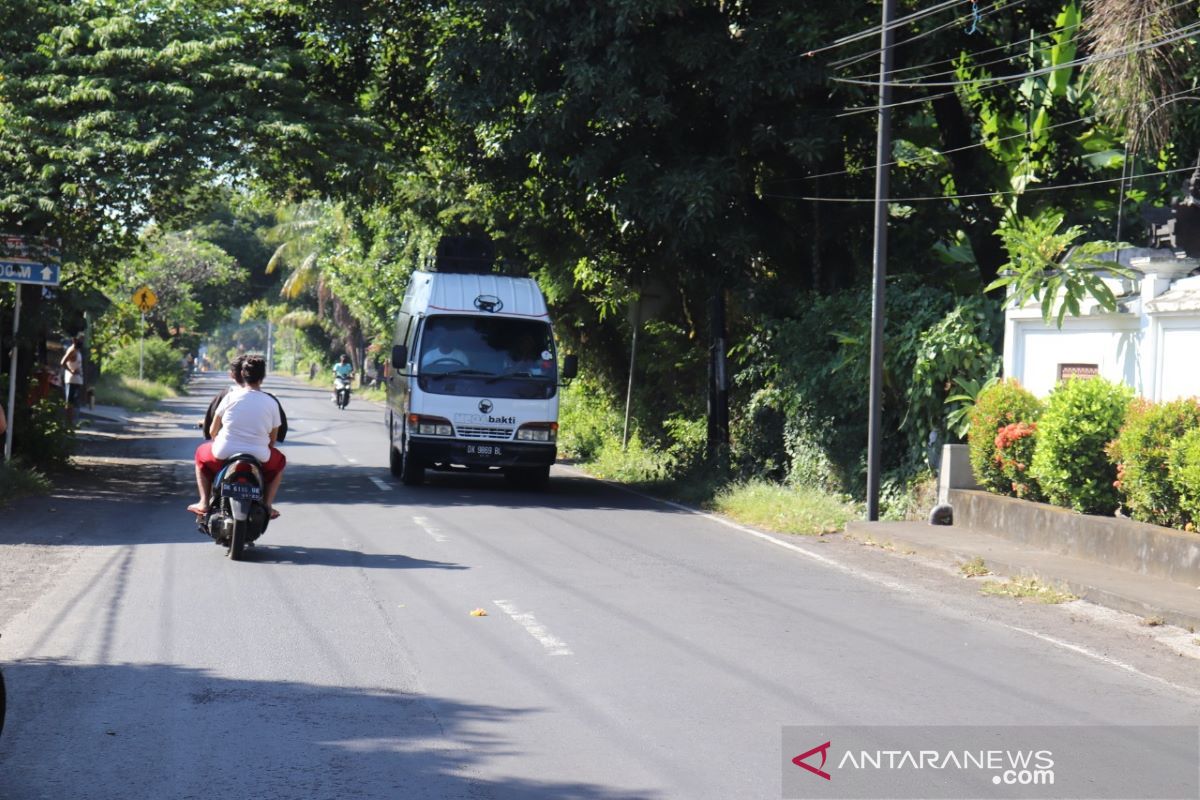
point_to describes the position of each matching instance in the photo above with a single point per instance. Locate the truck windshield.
(497, 356)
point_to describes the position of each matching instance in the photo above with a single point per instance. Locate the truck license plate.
(484, 450)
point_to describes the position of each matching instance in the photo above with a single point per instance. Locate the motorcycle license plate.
(242, 491)
(484, 450)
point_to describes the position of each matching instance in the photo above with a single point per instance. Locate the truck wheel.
(412, 471)
(528, 477)
(395, 462)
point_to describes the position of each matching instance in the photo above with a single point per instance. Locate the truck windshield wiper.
(495, 378)
(457, 372)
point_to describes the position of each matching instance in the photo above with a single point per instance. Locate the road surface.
(631, 649)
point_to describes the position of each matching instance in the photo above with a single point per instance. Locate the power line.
(1175, 35)
(1150, 44)
(977, 53)
(931, 198)
(846, 62)
(1076, 121)
(1011, 45)
(876, 29)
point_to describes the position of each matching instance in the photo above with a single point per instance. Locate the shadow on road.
(137, 732)
(333, 557)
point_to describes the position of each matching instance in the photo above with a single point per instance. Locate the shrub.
(807, 441)
(1141, 454)
(41, 437)
(1070, 463)
(163, 363)
(587, 419)
(1015, 445)
(788, 509)
(1183, 473)
(1003, 403)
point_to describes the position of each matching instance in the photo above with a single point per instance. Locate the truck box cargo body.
(474, 379)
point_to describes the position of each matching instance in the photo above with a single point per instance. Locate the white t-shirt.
(247, 418)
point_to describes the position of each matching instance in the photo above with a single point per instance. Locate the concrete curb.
(1146, 596)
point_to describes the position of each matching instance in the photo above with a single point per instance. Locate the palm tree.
(1129, 77)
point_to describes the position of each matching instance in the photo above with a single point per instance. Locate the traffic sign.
(20, 271)
(145, 298)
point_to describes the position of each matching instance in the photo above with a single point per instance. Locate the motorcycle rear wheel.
(237, 540)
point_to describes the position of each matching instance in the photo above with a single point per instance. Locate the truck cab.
(474, 379)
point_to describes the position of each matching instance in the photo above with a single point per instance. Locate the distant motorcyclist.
(343, 374)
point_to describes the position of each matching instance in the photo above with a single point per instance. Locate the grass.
(17, 480)
(974, 568)
(131, 393)
(785, 509)
(1027, 589)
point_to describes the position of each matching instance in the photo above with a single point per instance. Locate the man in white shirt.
(246, 420)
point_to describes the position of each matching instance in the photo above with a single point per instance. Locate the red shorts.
(212, 465)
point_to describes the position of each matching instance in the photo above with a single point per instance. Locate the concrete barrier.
(1121, 543)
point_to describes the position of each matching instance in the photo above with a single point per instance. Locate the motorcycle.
(237, 515)
(341, 391)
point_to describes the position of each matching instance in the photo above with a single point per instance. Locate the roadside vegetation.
(131, 393)
(655, 167)
(1027, 588)
(18, 480)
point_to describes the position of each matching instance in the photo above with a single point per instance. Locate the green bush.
(788, 509)
(1141, 454)
(587, 419)
(808, 441)
(163, 363)
(41, 437)
(996, 406)
(1183, 472)
(1081, 418)
(1016, 444)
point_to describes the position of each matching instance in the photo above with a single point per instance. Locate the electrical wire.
(1076, 121)
(994, 9)
(1169, 37)
(933, 198)
(982, 84)
(977, 53)
(876, 30)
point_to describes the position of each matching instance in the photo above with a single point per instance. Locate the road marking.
(899, 587)
(383, 486)
(425, 525)
(554, 646)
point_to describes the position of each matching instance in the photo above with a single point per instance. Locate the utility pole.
(879, 263)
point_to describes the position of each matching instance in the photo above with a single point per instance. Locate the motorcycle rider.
(246, 420)
(235, 374)
(342, 370)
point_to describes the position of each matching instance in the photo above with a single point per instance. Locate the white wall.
(1033, 351)
(1178, 367)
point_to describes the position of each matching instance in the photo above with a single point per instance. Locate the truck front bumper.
(482, 454)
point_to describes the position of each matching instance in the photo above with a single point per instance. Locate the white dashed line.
(554, 646)
(425, 525)
(383, 485)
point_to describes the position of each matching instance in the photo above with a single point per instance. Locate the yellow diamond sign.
(145, 298)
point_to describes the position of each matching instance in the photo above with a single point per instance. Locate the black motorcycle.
(237, 515)
(341, 391)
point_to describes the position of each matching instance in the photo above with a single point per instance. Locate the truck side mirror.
(399, 357)
(570, 367)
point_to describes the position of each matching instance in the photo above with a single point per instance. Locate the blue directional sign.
(14, 271)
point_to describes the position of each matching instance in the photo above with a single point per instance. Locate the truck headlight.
(538, 432)
(429, 426)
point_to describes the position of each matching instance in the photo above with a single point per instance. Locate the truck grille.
(480, 432)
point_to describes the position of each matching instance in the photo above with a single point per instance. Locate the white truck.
(474, 379)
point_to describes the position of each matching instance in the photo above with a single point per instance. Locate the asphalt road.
(630, 648)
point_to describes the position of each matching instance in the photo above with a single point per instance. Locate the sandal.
(273, 513)
(198, 509)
